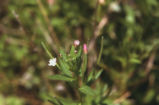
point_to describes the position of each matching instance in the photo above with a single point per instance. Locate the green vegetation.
(120, 67)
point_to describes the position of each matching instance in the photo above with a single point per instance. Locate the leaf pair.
(62, 101)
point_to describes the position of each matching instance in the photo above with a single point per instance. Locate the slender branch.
(150, 63)
(122, 98)
(91, 46)
(97, 31)
(50, 28)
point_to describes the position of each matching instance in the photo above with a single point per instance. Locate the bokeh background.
(130, 57)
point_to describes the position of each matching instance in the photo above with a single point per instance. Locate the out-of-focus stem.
(122, 98)
(50, 28)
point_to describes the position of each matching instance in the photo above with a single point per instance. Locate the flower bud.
(102, 2)
(50, 2)
(85, 49)
(114, 7)
(76, 43)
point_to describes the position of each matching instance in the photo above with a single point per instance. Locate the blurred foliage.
(129, 58)
(11, 100)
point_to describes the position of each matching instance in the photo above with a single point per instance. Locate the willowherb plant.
(73, 70)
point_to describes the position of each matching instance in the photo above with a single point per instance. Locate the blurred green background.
(130, 57)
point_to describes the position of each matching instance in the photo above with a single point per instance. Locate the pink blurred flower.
(76, 43)
(85, 49)
(75, 51)
(102, 2)
(50, 2)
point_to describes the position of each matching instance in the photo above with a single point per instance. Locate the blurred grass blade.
(46, 49)
(98, 74)
(135, 61)
(90, 76)
(101, 50)
(84, 65)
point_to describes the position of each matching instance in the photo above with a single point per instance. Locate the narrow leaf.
(90, 76)
(61, 77)
(46, 49)
(63, 54)
(135, 61)
(98, 74)
(87, 90)
(53, 100)
(101, 50)
(65, 68)
(84, 65)
(72, 51)
(65, 101)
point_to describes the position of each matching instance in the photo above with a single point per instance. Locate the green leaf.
(101, 50)
(31, 2)
(90, 77)
(65, 68)
(63, 54)
(84, 65)
(149, 96)
(75, 56)
(58, 22)
(65, 101)
(72, 51)
(98, 74)
(46, 49)
(108, 101)
(135, 61)
(61, 77)
(87, 90)
(79, 52)
(53, 100)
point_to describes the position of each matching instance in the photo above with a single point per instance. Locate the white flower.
(52, 62)
(114, 6)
